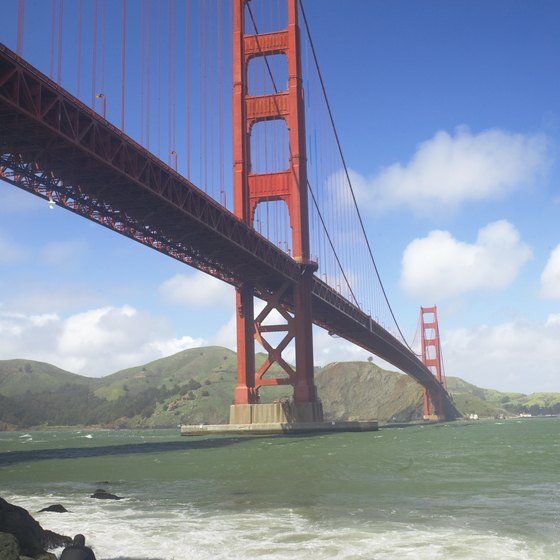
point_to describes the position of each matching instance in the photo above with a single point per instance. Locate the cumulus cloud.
(58, 253)
(439, 266)
(17, 201)
(550, 277)
(95, 342)
(11, 252)
(197, 289)
(450, 169)
(512, 356)
(326, 349)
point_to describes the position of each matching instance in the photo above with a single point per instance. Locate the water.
(461, 490)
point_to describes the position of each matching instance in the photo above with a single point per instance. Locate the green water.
(459, 490)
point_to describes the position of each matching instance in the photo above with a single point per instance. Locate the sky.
(449, 117)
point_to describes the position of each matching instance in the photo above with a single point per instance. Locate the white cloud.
(45, 295)
(95, 342)
(16, 201)
(450, 169)
(326, 348)
(197, 289)
(227, 335)
(59, 253)
(11, 252)
(550, 277)
(439, 266)
(511, 356)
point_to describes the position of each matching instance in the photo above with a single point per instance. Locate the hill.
(196, 386)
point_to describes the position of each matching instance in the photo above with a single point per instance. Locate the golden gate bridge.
(120, 112)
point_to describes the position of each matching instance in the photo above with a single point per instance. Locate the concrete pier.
(280, 417)
(273, 428)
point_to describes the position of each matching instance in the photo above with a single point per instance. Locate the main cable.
(300, 2)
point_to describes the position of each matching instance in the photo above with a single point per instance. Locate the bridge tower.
(290, 187)
(431, 357)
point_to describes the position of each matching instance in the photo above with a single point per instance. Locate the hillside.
(19, 376)
(363, 391)
(196, 386)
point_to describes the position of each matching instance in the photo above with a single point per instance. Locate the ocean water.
(469, 490)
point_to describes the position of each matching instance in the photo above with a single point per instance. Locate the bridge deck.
(54, 146)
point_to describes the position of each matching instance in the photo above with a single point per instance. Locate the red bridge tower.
(431, 357)
(290, 187)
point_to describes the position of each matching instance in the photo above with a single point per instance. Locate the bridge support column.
(431, 357)
(245, 392)
(291, 301)
(304, 386)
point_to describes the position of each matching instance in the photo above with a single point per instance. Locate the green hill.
(363, 391)
(196, 386)
(19, 376)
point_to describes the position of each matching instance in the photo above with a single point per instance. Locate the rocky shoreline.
(23, 538)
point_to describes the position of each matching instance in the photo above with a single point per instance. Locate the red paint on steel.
(431, 358)
(289, 186)
(53, 145)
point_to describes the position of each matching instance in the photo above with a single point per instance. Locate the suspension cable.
(269, 70)
(300, 2)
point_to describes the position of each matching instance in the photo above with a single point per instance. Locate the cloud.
(11, 252)
(450, 169)
(550, 277)
(16, 201)
(95, 342)
(59, 253)
(512, 356)
(326, 349)
(197, 289)
(439, 266)
(48, 296)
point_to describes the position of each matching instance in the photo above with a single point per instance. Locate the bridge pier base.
(282, 412)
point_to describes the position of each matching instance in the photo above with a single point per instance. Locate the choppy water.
(462, 490)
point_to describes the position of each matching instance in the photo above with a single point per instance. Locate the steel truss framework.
(54, 146)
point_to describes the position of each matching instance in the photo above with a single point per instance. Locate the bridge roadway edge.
(279, 428)
(130, 187)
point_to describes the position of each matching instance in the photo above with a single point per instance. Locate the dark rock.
(100, 494)
(32, 538)
(9, 547)
(43, 556)
(56, 508)
(54, 540)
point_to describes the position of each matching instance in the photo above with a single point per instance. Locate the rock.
(101, 494)
(9, 547)
(56, 508)
(31, 537)
(54, 540)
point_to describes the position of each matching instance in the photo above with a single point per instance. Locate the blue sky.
(449, 116)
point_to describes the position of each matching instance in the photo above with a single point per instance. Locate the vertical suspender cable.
(169, 83)
(102, 69)
(174, 83)
(204, 142)
(362, 227)
(159, 79)
(21, 9)
(79, 64)
(148, 59)
(51, 73)
(123, 45)
(201, 24)
(188, 72)
(94, 55)
(221, 107)
(59, 70)
(142, 77)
